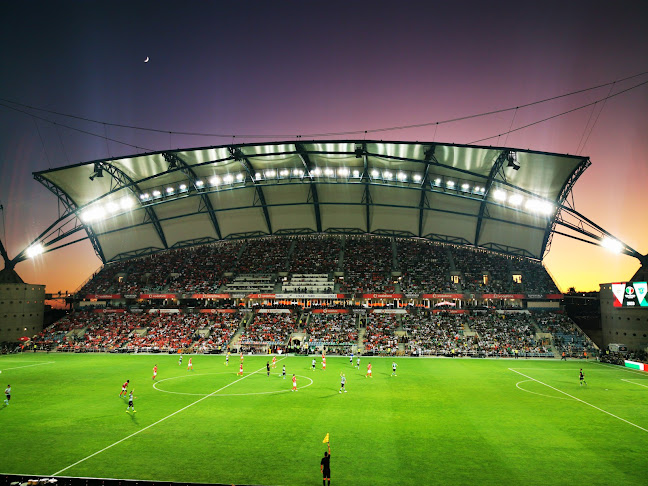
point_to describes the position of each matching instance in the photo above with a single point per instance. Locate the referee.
(325, 466)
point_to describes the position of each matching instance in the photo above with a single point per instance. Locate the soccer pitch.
(439, 421)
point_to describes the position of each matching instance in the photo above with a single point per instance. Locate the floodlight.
(126, 203)
(240, 177)
(387, 174)
(316, 171)
(170, 190)
(200, 183)
(356, 173)
(34, 250)
(183, 187)
(270, 173)
(214, 181)
(329, 172)
(417, 177)
(284, 172)
(401, 176)
(228, 179)
(516, 199)
(465, 186)
(437, 181)
(375, 173)
(499, 195)
(611, 244)
(112, 207)
(156, 193)
(450, 183)
(344, 172)
(257, 176)
(144, 196)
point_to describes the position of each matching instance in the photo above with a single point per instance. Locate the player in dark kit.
(325, 466)
(268, 367)
(581, 377)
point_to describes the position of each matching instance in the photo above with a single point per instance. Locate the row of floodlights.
(97, 212)
(517, 201)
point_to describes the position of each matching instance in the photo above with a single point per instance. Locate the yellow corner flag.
(326, 439)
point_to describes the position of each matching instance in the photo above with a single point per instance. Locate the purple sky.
(309, 67)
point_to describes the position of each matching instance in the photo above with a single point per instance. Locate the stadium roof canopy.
(503, 199)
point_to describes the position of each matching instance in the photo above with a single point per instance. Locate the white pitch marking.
(535, 393)
(28, 366)
(628, 381)
(155, 423)
(223, 394)
(582, 401)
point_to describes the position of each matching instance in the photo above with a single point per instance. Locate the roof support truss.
(424, 203)
(205, 203)
(124, 180)
(239, 156)
(312, 194)
(496, 169)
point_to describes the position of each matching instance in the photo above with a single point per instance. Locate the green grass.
(440, 421)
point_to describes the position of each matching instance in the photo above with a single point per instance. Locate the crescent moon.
(147, 59)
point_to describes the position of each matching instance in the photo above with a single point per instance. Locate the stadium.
(423, 260)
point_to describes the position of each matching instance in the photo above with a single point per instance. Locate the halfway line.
(155, 423)
(582, 401)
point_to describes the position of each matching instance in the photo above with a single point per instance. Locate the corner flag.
(326, 439)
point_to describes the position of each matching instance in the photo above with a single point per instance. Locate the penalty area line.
(639, 384)
(579, 400)
(155, 423)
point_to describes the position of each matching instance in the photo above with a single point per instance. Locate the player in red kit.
(190, 365)
(294, 388)
(274, 361)
(154, 372)
(368, 371)
(240, 370)
(124, 388)
(324, 362)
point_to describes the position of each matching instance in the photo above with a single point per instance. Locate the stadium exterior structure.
(502, 199)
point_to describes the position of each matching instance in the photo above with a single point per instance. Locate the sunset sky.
(314, 67)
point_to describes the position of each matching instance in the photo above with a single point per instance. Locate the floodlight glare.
(169, 190)
(34, 250)
(611, 244)
(387, 174)
(270, 173)
(437, 181)
(112, 207)
(499, 195)
(450, 183)
(156, 193)
(200, 183)
(126, 203)
(344, 172)
(375, 173)
(228, 179)
(329, 172)
(214, 181)
(417, 177)
(284, 172)
(183, 187)
(257, 176)
(144, 197)
(356, 173)
(240, 177)
(401, 176)
(465, 186)
(515, 199)
(317, 171)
